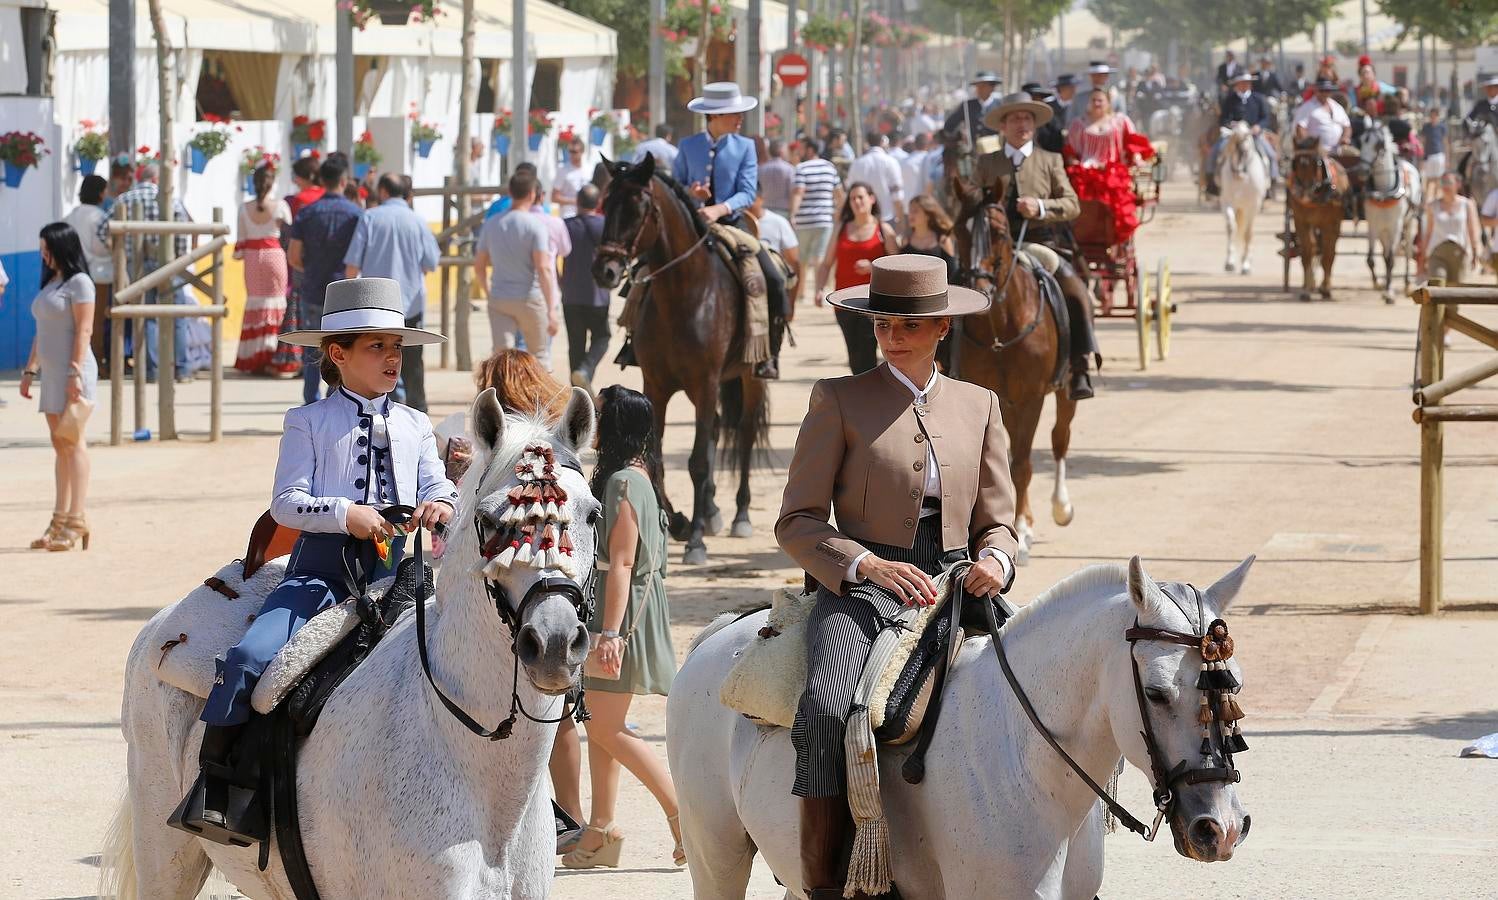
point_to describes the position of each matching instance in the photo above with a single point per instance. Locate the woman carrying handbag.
(631, 623)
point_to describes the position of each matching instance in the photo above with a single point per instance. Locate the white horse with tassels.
(398, 799)
(1243, 176)
(992, 782)
(1393, 203)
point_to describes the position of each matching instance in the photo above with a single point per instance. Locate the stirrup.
(221, 811)
(626, 357)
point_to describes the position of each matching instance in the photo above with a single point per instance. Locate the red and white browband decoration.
(533, 524)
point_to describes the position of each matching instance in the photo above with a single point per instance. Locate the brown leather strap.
(1140, 633)
(268, 540)
(217, 585)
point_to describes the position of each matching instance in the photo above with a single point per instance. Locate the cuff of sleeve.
(341, 512)
(851, 575)
(1042, 208)
(1004, 563)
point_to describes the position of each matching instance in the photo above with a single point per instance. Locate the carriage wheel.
(1164, 309)
(1142, 322)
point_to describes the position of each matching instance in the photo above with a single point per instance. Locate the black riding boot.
(219, 807)
(1082, 338)
(1081, 380)
(775, 298)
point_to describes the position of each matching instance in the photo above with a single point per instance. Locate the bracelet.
(610, 633)
(32, 372)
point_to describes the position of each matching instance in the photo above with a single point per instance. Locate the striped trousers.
(839, 633)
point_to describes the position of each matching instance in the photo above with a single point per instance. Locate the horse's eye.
(1158, 696)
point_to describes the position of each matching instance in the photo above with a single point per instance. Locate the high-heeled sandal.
(605, 855)
(74, 530)
(679, 853)
(53, 528)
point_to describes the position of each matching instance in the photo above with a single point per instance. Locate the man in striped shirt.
(816, 193)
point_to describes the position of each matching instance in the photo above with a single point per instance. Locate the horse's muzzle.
(608, 272)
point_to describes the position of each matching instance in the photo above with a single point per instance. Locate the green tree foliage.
(630, 19)
(1466, 23)
(1154, 23)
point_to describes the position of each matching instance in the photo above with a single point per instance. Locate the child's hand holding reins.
(366, 523)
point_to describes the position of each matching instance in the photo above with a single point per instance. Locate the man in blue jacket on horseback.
(720, 168)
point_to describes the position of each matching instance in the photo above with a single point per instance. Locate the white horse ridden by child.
(1393, 202)
(1243, 179)
(999, 813)
(397, 798)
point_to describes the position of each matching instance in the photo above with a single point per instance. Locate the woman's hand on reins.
(910, 584)
(985, 578)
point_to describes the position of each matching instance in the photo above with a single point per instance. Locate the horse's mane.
(1094, 578)
(678, 189)
(520, 430)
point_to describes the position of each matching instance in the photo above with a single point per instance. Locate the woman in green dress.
(632, 653)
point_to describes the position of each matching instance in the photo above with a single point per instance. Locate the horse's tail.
(731, 413)
(117, 856)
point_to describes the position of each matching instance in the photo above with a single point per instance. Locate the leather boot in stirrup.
(217, 808)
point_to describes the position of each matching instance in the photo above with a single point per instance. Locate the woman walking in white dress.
(61, 358)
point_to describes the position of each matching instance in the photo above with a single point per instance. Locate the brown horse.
(1317, 186)
(1012, 348)
(689, 335)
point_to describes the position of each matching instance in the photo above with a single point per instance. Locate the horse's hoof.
(742, 529)
(695, 556)
(1022, 556)
(1305, 296)
(1227, 266)
(680, 526)
(1246, 269)
(1063, 513)
(714, 524)
(1389, 298)
(1325, 294)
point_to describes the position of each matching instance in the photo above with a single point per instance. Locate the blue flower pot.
(597, 135)
(13, 175)
(534, 141)
(424, 148)
(300, 150)
(501, 144)
(361, 171)
(197, 160)
(86, 167)
(249, 184)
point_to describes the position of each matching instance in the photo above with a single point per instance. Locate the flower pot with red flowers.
(208, 143)
(307, 136)
(601, 124)
(256, 158)
(499, 135)
(19, 151)
(537, 127)
(91, 146)
(825, 33)
(366, 157)
(424, 135)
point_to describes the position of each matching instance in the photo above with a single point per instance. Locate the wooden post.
(1432, 349)
(445, 249)
(116, 380)
(216, 386)
(166, 372)
(138, 329)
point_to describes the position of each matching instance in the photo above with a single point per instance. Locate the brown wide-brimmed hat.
(1019, 100)
(909, 285)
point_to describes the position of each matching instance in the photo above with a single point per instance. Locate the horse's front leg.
(1327, 242)
(700, 467)
(1232, 225)
(1021, 428)
(756, 395)
(1306, 238)
(659, 396)
(1389, 272)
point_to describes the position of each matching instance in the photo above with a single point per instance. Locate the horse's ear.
(488, 420)
(645, 168)
(1142, 588)
(576, 427)
(1220, 595)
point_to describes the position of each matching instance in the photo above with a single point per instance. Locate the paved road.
(1276, 428)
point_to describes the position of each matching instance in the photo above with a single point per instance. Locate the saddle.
(740, 251)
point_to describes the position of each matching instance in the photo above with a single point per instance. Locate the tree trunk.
(855, 79)
(167, 103)
(468, 108)
(705, 34)
(1008, 44)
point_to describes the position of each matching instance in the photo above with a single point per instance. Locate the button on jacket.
(332, 458)
(859, 456)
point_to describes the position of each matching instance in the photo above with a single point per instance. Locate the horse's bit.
(1215, 682)
(581, 598)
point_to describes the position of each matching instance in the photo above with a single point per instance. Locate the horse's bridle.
(1164, 778)
(653, 214)
(579, 595)
(996, 294)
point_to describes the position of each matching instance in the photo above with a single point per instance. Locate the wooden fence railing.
(1440, 313)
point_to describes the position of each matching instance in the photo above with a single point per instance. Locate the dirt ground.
(1276, 428)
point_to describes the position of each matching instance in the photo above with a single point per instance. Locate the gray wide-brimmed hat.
(1066, 79)
(721, 98)
(362, 306)
(1487, 81)
(1099, 67)
(909, 285)
(985, 77)
(1015, 102)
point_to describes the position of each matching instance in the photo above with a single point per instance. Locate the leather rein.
(997, 296)
(511, 615)
(1164, 779)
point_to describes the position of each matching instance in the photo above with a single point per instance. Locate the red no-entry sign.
(792, 69)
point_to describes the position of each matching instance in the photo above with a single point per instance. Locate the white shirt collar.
(376, 409)
(1023, 152)
(1244, 95)
(919, 393)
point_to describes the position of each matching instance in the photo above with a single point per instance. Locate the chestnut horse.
(1316, 188)
(1012, 348)
(689, 335)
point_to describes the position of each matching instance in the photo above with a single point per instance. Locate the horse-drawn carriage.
(1109, 258)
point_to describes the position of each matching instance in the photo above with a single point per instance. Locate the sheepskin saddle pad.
(190, 635)
(766, 683)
